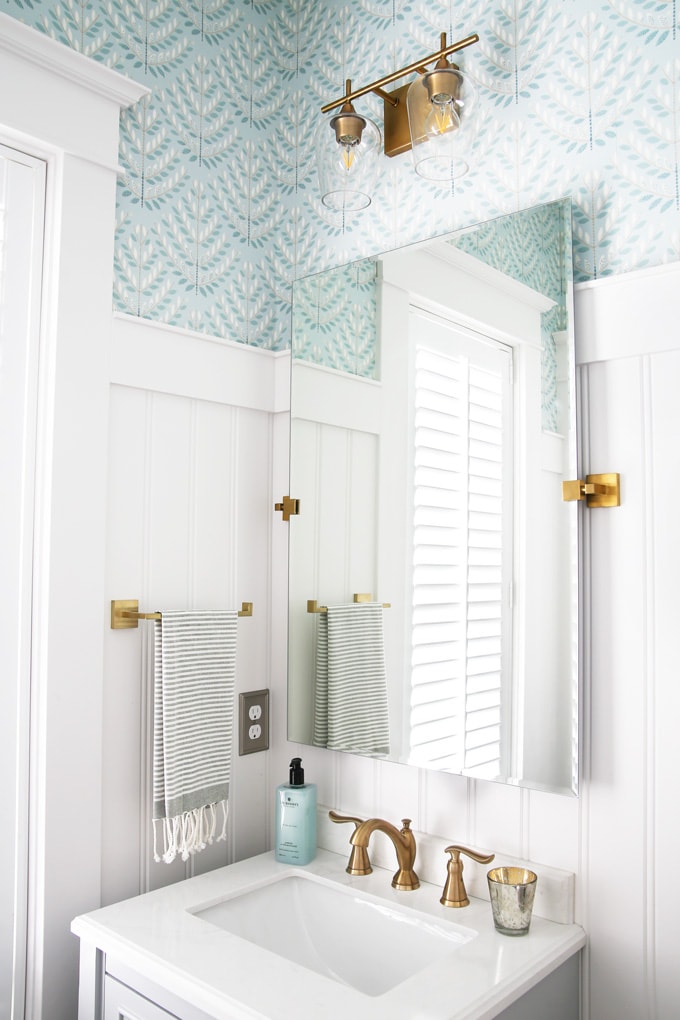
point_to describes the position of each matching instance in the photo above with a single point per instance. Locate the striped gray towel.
(350, 703)
(194, 667)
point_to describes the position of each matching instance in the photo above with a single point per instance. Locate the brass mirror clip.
(289, 507)
(596, 490)
(125, 613)
(454, 894)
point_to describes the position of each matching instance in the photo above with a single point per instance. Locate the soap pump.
(295, 825)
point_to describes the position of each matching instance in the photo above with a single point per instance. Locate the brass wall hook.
(596, 490)
(454, 894)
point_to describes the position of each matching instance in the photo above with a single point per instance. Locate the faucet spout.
(404, 844)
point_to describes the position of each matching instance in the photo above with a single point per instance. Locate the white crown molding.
(20, 40)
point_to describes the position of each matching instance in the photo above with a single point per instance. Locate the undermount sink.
(338, 932)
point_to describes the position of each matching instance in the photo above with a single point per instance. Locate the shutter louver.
(458, 579)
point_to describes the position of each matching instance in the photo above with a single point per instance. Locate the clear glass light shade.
(439, 104)
(347, 154)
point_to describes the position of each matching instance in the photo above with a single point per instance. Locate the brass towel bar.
(314, 607)
(125, 613)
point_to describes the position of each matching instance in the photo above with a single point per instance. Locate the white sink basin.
(339, 932)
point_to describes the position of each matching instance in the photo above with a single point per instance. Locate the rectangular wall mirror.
(433, 421)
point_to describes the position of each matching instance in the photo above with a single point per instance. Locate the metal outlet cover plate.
(253, 722)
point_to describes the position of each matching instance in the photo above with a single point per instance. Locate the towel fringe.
(189, 833)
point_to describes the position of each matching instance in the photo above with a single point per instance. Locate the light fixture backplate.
(396, 130)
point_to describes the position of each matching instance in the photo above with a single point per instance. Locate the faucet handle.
(359, 863)
(335, 817)
(454, 894)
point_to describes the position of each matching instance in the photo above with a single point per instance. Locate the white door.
(22, 199)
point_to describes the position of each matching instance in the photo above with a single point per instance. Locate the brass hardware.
(418, 65)
(396, 128)
(395, 124)
(314, 607)
(359, 863)
(596, 490)
(125, 613)
(454, 894)
(403, 841)
(289, 507)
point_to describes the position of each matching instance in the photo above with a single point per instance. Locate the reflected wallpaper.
(218, 211)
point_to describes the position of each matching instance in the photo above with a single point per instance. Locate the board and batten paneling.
(189, 523)
(630, 349)
(620, 837)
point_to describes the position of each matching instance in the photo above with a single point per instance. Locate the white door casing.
(63, 108)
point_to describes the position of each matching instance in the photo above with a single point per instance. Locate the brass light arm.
(417, 65)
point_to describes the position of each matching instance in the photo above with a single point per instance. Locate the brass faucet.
(404, 844)
(454, 894)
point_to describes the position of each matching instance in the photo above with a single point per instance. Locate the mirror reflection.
(433, 567)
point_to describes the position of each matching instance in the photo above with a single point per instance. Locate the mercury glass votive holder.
(512, 891)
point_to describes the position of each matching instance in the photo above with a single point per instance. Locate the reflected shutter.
(461, 511)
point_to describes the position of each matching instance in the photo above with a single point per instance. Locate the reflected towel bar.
(314, 607)
(125, 613)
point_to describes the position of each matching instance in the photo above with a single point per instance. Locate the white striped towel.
(350, 703)
(194, 668)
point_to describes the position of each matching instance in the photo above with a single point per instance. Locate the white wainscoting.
(620, 837)
(190, 524)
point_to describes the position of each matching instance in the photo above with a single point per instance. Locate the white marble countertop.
(225, 976)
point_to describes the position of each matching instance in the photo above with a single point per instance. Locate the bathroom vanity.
(260, 939)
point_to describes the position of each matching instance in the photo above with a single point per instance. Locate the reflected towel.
(350, 704)
(194, 668)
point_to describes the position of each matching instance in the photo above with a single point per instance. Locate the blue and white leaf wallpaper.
(219, 210)
(335, 319)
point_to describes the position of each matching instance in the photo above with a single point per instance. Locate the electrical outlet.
(253, 727)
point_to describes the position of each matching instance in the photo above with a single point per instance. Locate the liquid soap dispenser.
(295, 829)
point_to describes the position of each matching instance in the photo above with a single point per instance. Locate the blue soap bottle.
(295, 827)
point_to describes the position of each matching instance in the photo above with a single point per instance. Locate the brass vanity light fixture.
(596, 490)
(454, 894)
(429, 116)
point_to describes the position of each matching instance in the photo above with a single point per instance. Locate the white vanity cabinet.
(556, 996)
(137, 999)
(156, 957)
(122, 1003)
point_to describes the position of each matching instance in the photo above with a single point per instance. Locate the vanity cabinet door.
(122, 1003)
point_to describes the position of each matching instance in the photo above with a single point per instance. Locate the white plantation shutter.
(461, 576)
